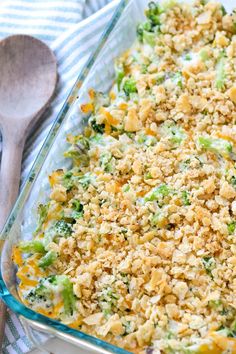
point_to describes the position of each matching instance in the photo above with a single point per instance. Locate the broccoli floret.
(144, 68)
(126, 188)
(205, 143)
(78, 150)
(67, 295)
(215, 304)
(149, 38)
(188, 57)
(106, 162)
(143, 27)
(220, 146)
(98, 128)
(233, 181)
(203, 55)
(148, 30)
(175, 134)
(39, 294)
(233, 14)
(159, 220)
(153, 13)
(80, 141)
(185, 198)
(226, 332)
(75, 154)
(77, 209)
(101, 99)
(34, 246)
(66, 292)
(120, 74)
(77, 206)
(177, 78)
(60, 229)
(97, 138)
(52, 285)
(160, 78)
(86, 180)
(224, 12)
(209, 265)
(129, 86)
(148, 175)
(231, 227)
(220, 72)
(48, 259)
(147, 140)
(167, 4)
(157, 193)
(147, 33)
(43, 212)
(108, 301)
(184, 165)
(67, 180)
(129, 329)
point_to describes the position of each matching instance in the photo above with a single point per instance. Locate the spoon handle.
(9, 176)
(9, 185)
(3, 316)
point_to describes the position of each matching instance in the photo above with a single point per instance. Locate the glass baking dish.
(98, 73)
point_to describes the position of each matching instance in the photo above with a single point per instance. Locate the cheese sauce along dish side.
(136, 244)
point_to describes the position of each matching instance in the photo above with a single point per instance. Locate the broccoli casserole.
(137, 242)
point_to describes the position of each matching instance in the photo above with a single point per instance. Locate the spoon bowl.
(28, 72)
(28, 77)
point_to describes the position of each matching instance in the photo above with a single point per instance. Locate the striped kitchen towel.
(71, 28)
(44, 19)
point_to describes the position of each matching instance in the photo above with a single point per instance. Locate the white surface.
(56, 346)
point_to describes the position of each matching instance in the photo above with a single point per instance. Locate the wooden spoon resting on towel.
(28, 76)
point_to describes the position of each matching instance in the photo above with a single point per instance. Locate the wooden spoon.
(28, 76)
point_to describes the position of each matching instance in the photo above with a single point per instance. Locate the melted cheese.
(26, 281)
(76, 323)
(17, 257)
(34, 266)
(45, 312)
(226, 137)
(23, 274)
(224, 343)
(54, 313)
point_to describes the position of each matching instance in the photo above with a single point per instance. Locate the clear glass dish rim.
(15, 305)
